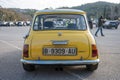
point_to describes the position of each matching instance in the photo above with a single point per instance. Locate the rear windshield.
(59, 22)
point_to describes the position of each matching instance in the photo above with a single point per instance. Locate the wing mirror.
(25, 36)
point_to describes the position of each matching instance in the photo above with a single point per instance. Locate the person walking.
(100, 25)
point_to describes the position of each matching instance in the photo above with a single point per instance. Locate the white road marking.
(76, 75)
(5, 42)
(71, 73)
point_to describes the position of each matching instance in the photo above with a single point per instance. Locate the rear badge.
(59, 33)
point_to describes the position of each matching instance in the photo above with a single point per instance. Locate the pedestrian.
(100, 25)
(91, 24)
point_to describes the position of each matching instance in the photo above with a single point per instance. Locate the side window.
(82, 23)
(37, 23)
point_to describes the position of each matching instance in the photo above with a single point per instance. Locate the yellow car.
(60, 37)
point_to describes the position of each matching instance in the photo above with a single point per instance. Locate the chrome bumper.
(60, 62)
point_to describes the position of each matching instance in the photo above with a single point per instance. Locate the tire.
(108, 27)
(92, 67)
(28, 67)
(115, 27)
(104, 27)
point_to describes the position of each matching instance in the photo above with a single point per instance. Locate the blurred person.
(100, 26)
(90, 24)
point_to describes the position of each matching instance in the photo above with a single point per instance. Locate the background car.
(11, 23)
(111, 24)
(19, 23)
(1, 23)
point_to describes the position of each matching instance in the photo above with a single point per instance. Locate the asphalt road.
(11, 42)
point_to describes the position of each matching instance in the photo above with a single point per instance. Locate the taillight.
(94, 51)
(26, 50)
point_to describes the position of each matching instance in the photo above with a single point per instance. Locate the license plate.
(60, 51)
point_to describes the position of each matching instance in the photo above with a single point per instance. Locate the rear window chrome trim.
(61, 42)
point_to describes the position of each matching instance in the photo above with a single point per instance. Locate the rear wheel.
(92, 67)
(28, 67)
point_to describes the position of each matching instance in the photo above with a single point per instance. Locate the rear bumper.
(60, 62)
